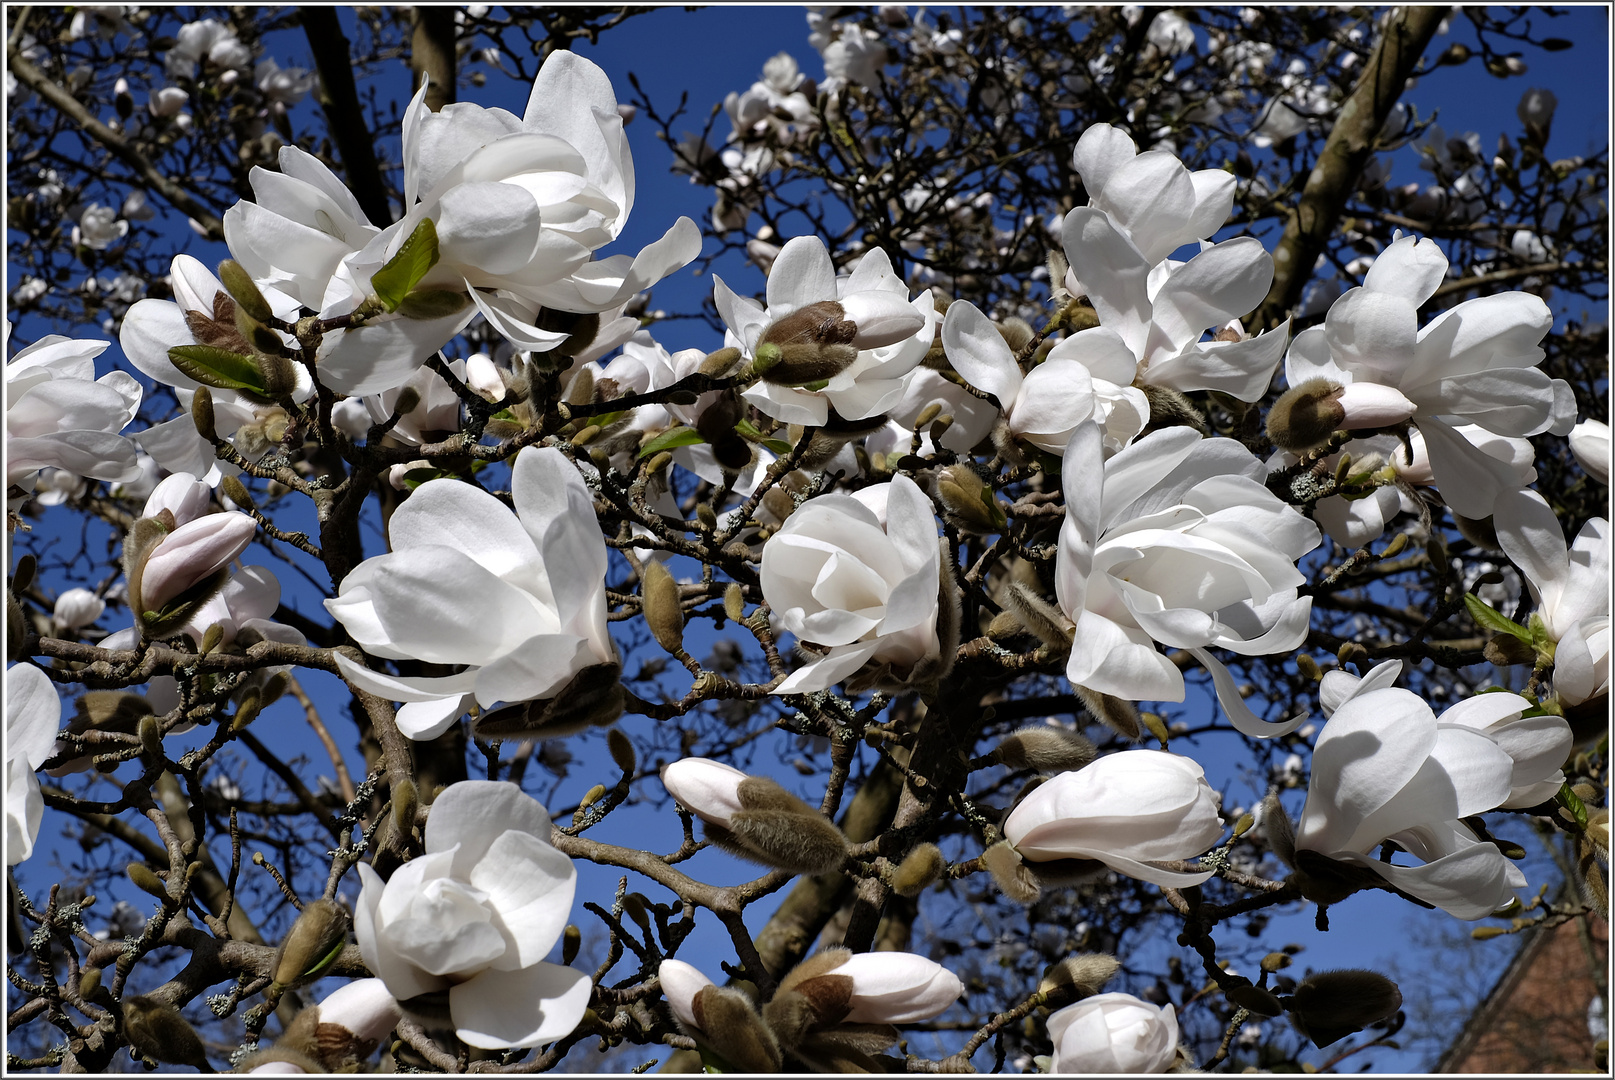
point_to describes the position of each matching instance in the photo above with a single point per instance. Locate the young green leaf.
(669, 439)
(1488, 619)
(404, 271)
(218, 368)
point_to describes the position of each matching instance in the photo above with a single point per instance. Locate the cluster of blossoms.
(1167, 536)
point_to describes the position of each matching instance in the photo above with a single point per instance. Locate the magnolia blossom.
(60, 416)
(857, 575)
(973, 418)
(1114, 1033)
(1589, 441)
(1127, 810)
(167, 101)
(283, 86)
(475, 916)
(524, 594)
(1570, 586)
(1474, 363)
(99, 227)
(208, 40)
(1176, 540)
(1384, 768)
(893, 332)
(435, 415)
(32, 713)
(191, 555)
(77, 607)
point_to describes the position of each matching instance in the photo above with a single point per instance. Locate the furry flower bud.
(312, 945)
(159, 1032)
(754, 817)
(1045, 749)
(659, 598)
(918, 870)
(1330, 1005)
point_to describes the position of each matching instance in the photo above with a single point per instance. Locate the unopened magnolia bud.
(734, 601)
(89, 982)
(1077, 977)
(592, 796)
(1155, 726)
(408, 401)
(244, 291)
(273, 688)
(432, 304)
(586, 436)
(634, 904)
(1506, 650)
(717, 364)
(1004, 626)
(659, 599)
(1016, 332)
(1119, 715)
(1487, 933)
(281, 1059)
(1482, 532)
(406, 804)
(147, 881)
(150, 730)
(622, 751)
(202, 414)
(571, 942)
(1435, 549)
(1351, 653)
(114, 709)
(212, 638)
(1004, 863)
(234, 489)
(729, 1022)
(312, 945)
(1330, 1005)
(246, 709)
(802, 364)
(1306, 415)
(658, 463)
(1245, 824)
(918, 870)
(1280, 833)
(1039, 616)
(1255, 999)
(1045, 749)
(1276, 961)
(775, 827)
(1173, 408)
(1308, 667)
(927, 414)
(279, 377)
(968, 500)
(580, 391)
(779, 503)
(707, 516)
(23, 576)
(159, 1032)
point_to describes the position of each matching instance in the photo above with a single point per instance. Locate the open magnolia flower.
(850, 344)
(475, 916)
(60, 416)
(857, 576)
(1571, 588)
(1127, 810)
(1114, 1033)
(33, 712)
(524, 594)
(1176, 540)
(1474, 363)
(1384, 768)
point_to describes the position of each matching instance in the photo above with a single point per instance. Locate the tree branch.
(343, 115)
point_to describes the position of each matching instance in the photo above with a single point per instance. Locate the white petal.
(529, 1007)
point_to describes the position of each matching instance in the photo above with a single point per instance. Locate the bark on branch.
(343, 115)
(1349, 146)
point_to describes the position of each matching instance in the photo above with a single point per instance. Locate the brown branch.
(1351, 143)
(431, 54)
(339, 98)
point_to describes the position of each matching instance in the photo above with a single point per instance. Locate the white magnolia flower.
(435, 416)
(60, 416)
(286, 86)
(1589, 441)
(1474, 363)
(1176, 540)
(475, 916)
(208, 40)
(1127, 810)
(33, 712)
(99, 227)
(518, 599)
(1152, 314)
(77, 607)
(1571, 588)
(893, 332)
(167, 101)
(857, 575)
(856, 56)
(973, 418)
(1384, 768)
(1113, 1033)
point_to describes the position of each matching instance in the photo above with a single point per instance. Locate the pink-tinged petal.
(1223, 282)
(1100, 350)
(707, 788)
(1507, 401)
(536, 668)
(33, 714)
(470, 815)
(1468, 884)
(402, 978)
(1243, 369)
(979, 353)
(191, 553)
(1082, 475)
(680, 983)
(1309, 358)
(1113, 271)
(1122, 661)
(1470, 480)
(530, 886)
(803, 274)
(897, 988)
(529, 1007)
(1409, 268)
(1233, 705)
(185, 498)
(1340, 686)
(1370, 749)
(1372, 334)
(1483, 334)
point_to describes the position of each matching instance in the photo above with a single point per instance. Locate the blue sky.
(710, 52)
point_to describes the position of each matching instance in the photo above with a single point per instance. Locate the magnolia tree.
(1133, 515)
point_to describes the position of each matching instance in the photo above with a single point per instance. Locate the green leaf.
(218, 368)
(747, 430)
(669, 439)
(404, 271)
(605, 420)
(1488, 619)
(1572, 802)
(414, 478)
